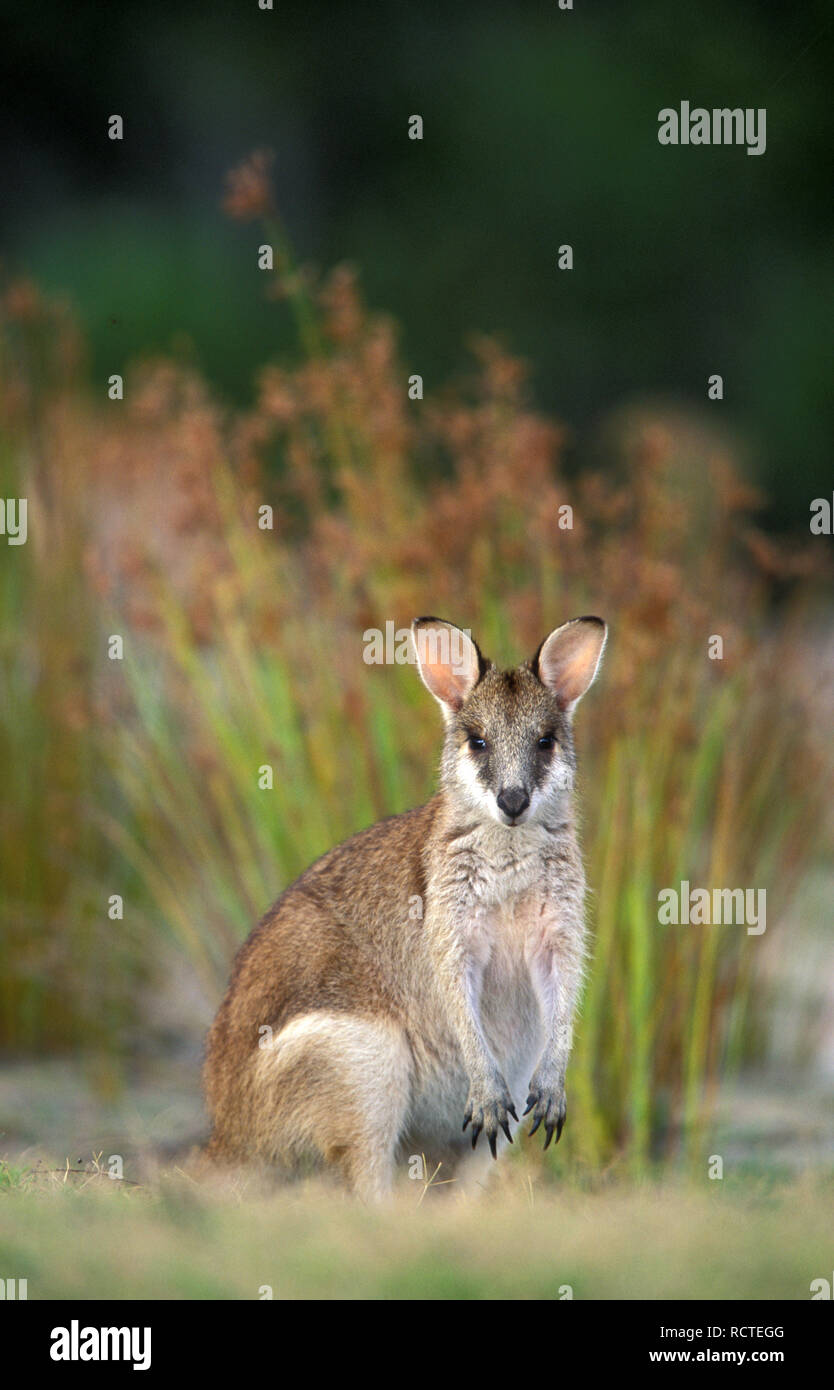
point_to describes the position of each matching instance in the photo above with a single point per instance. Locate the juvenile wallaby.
(421, 978)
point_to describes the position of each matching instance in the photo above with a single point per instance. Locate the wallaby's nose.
(513, 801)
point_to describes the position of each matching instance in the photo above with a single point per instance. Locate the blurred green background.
(540, 129)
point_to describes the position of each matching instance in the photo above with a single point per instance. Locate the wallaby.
(421, 977)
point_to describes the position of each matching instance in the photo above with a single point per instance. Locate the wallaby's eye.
(546, 741)
(477, 744)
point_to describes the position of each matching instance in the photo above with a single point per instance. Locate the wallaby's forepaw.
(489, 1113)
(548, 1105)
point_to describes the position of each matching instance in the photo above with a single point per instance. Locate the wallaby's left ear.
(449, 661)
(567, 661)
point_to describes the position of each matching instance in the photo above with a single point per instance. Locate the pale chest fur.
(516, 903)
(513, 886)
(523, 944)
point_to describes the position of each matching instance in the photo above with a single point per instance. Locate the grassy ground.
(746, 1237)
(763, 1231)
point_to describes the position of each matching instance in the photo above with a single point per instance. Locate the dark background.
(540, 128)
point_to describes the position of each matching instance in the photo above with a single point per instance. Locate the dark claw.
(536, 1124)
(492, 1137)
(560, 1126)
(476, 1130)
(531, 1100)
(549, 1132)
(467, 1117)
(506, 1128)
(511, 1111)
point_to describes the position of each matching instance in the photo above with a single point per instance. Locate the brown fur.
(350, 962)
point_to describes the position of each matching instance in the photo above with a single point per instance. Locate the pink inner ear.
(447, 686)
(568, 661)
(452, 674)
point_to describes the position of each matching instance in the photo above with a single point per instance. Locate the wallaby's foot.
(547, 1104)
(489, 1109)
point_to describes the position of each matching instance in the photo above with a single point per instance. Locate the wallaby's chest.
(508, 1005)
(505, 941)
(505, 900)
(513, 928)
(492, 871)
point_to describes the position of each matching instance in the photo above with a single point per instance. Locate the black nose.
(513, 802)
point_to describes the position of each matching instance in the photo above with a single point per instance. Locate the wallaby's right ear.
(567, 661)
(449, 662)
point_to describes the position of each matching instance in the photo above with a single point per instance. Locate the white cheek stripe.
(560, 780)
(472, 784)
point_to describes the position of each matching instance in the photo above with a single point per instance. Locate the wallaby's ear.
(567, 661)
(449, 662)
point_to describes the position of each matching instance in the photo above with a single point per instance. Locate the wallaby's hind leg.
(334, 1088)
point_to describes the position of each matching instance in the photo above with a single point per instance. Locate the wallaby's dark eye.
(477, 744)
(546, 741)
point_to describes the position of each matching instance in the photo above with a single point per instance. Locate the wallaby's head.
(508, 754)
